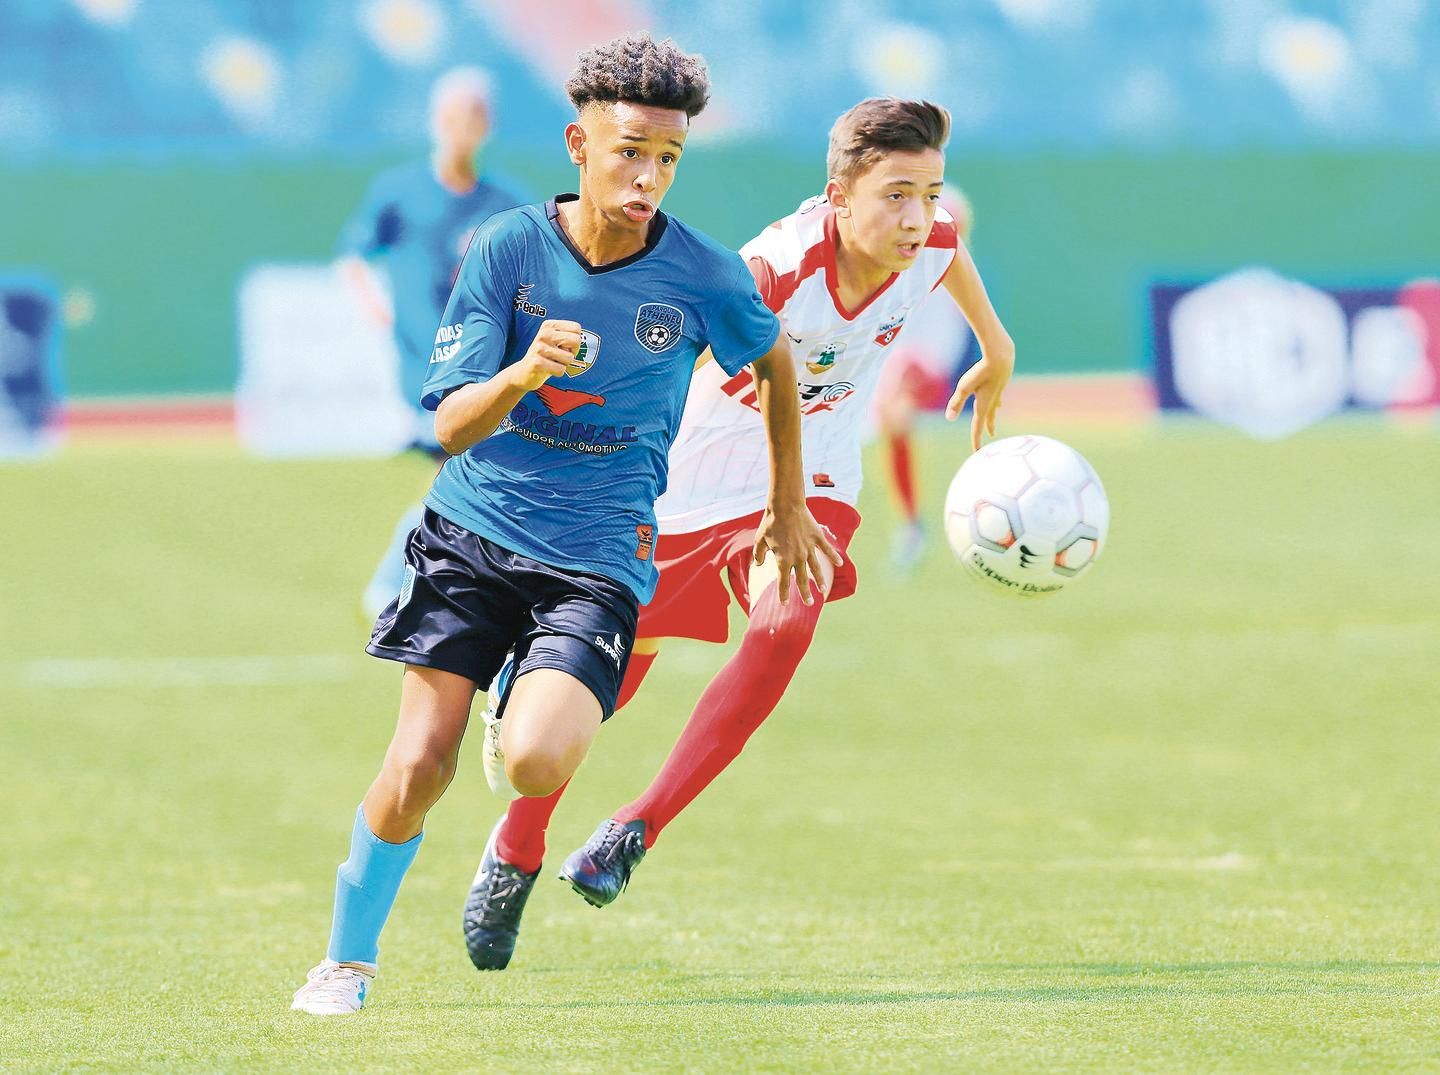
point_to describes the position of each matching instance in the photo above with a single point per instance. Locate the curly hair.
(640, 70)
(881, 125)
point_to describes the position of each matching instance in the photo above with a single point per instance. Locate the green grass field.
(1180, 818)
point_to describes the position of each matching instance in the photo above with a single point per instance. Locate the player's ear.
(835, 194)
(575, 143)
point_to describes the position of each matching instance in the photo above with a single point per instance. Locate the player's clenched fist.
(549, 353)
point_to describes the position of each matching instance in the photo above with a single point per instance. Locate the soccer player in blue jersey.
(557, 379)
(414, 224)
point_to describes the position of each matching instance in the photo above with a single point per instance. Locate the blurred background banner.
(29, 365)
(153, 151)
(1271, 355)
(315, 379)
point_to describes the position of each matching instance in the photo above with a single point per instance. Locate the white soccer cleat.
(334, 989)
(493, 756)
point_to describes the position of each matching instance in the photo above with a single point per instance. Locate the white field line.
(258, 671)
(1230, 861)
(1024, 646)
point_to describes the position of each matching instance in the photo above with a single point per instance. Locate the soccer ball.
(1027, 515)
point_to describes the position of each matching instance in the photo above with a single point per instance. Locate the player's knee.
(537, 771)
(787, 631)
(419, 778)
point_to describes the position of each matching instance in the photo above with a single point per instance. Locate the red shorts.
(691, 600)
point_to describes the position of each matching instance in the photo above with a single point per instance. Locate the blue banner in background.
(29, 366)
(1271, 355)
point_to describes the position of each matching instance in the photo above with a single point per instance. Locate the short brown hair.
(881, 125)
(640, 70)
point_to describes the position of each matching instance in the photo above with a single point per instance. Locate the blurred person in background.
(414, 225)
(936, 347)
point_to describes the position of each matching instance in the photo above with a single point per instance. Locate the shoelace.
(497, 892)
(617, 838)
(492, 737)
(335, 983)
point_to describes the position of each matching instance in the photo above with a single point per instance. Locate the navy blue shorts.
(466, 601)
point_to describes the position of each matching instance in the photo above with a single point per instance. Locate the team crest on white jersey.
(823, 357)
(658, 325)
(889, 330)
(586, 356)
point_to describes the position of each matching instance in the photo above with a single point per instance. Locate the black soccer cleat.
(601, 869)
(493, 910)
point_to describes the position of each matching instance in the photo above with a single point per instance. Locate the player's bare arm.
(787, 530)
(986, 380)
(472, 412)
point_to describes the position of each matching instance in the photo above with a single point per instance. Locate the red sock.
(902, 476)
(521, 842)
(736, 702)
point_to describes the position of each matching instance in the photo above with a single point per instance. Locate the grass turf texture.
(1180, 817)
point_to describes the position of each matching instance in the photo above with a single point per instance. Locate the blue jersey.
(571, 475)
(421, 230)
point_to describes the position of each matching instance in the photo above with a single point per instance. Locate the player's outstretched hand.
(798, 542)
(986, 381)
(549, 355)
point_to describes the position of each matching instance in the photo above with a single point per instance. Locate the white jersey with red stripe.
(719, 461)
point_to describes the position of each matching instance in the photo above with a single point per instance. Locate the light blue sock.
(365, 888)
(390, 571)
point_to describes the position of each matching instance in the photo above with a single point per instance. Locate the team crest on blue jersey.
(658, 325)
(586, 356)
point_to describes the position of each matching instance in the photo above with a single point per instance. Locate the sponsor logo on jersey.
(823, 357)
(889, 330)
(447, 342)
(523, 303)
(614, 650)
(658, 325)
(550, 427)
(561, 401)
(586, 356)
(644, 542)
(822, 481)
(814, 398)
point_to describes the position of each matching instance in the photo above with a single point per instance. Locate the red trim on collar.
(832, 273)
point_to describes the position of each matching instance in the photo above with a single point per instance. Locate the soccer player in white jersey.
(919, 376)
(843, 273)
